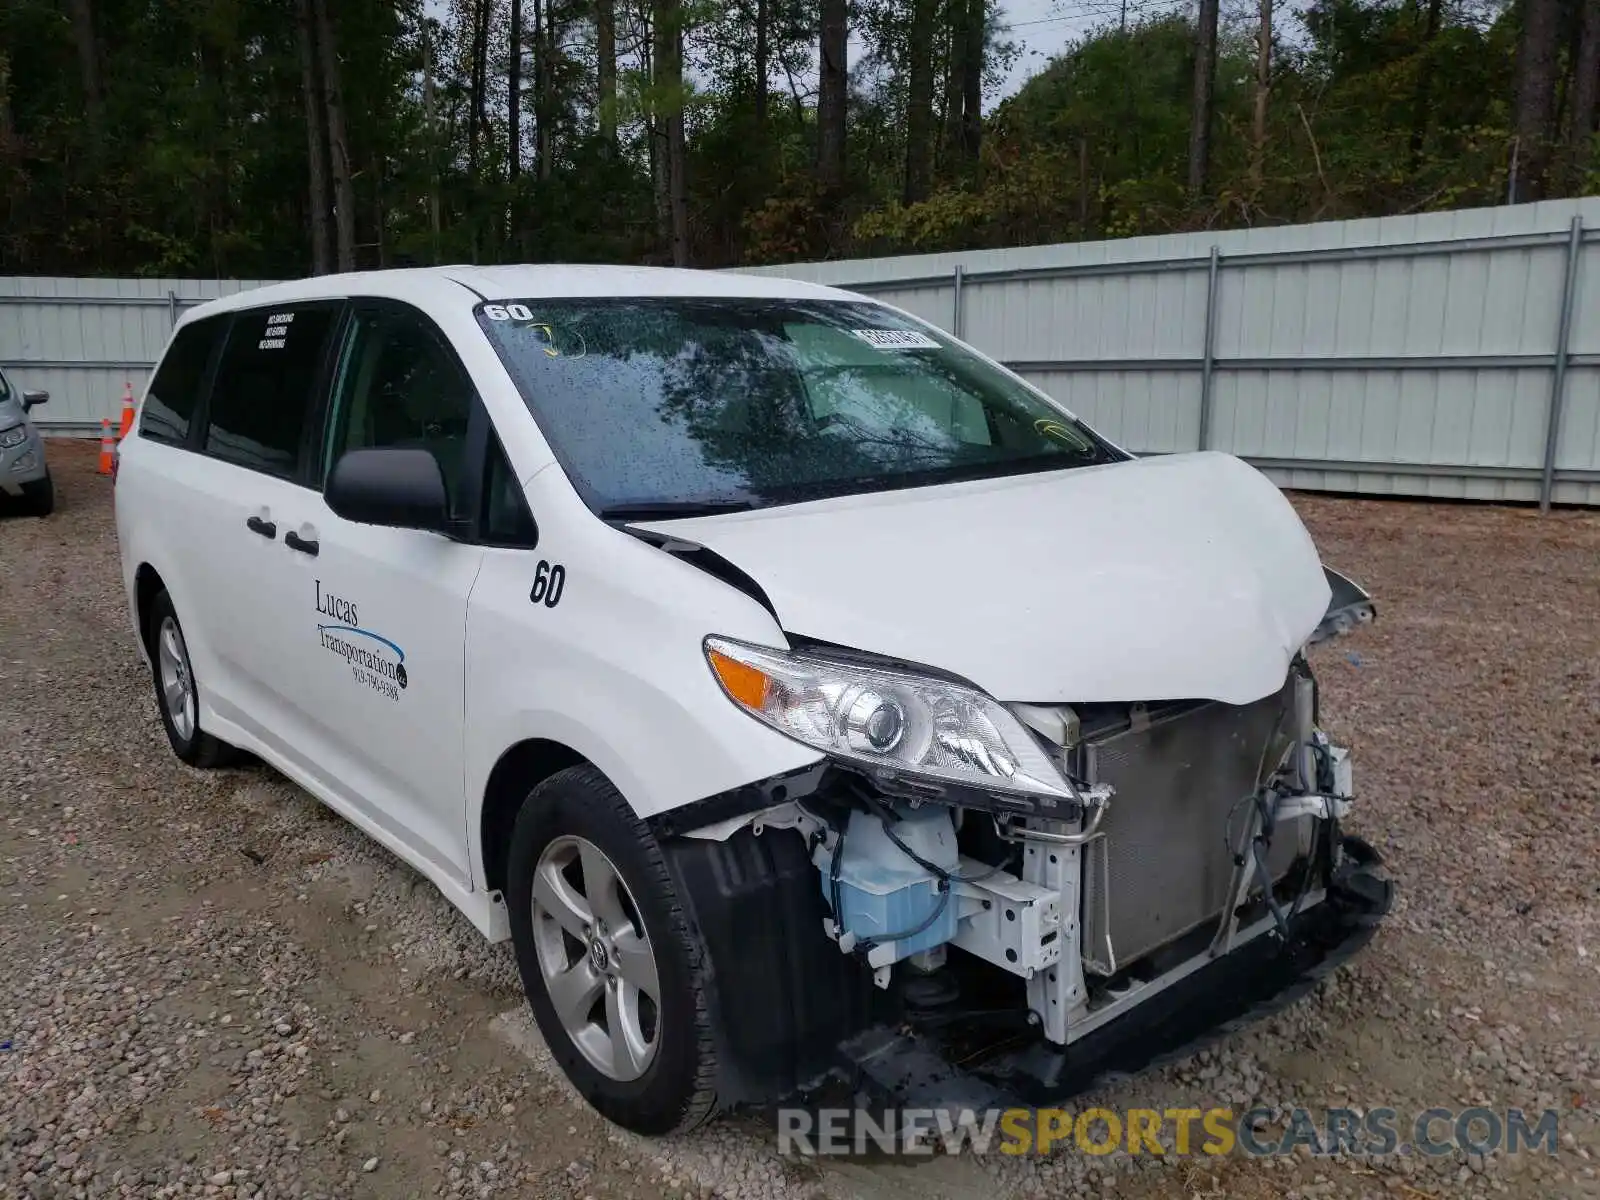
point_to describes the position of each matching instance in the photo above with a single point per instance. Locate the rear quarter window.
(262, 401)
(174, 394)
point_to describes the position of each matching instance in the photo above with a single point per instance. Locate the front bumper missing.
(907, 1065)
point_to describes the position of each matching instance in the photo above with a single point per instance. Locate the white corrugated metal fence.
(1418, 355)
(1443, 354)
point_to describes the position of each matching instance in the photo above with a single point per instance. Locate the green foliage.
(195, 161)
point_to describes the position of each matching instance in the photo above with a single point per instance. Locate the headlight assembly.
(889, 722)
(12, 437)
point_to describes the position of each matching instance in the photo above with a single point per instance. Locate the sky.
(1043, 28)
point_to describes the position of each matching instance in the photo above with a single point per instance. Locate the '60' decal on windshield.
(549, 581)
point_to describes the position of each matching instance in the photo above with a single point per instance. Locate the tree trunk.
(652, 52)
(660, 179)
(472, 97)
(82, 13)
(381, 241)
(477, 83)
(1200, 116)
(605, 24)
(1258, 130)
(430, 120)
(919, 100)
(954, 84)
(344, 198)
(670, 70)
(514, 96)
(832, 93)
(972, 81)
(1534, 108)
(8, 129)
(679, 196)
(672, 195)
(316, 142)
(543, 82)
(481, 114)
(763, 65)
(1585, 92)
(548, 117)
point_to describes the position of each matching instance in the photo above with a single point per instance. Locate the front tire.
(612, 968)
(177, 691)
(39, 497)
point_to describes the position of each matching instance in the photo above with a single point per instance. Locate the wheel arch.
(147, 585)
(520, 769)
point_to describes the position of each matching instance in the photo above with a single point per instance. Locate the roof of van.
(520, 282)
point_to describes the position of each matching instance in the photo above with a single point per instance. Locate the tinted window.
(175, 391)
(651, 402)
(263, 394)
(506, 520)
(399, 385)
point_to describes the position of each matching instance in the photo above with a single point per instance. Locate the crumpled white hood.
(1185, 576)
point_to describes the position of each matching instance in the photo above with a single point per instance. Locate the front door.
(380, 612)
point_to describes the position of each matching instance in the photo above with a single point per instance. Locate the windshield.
(684, 405)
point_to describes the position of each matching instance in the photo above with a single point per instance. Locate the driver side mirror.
(33, 399)
(389, 485)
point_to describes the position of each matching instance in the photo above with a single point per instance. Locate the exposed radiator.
(1164, 864)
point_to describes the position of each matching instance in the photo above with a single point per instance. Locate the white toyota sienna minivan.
(810, 699)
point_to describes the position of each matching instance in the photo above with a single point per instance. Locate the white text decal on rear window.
(274, 334)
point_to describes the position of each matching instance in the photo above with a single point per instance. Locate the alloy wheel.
(595, 958)
(177, 679)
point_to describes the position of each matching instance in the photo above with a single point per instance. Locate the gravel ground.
(212, 986)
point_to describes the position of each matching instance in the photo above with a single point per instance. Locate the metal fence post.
(958, 313)
(172, 309)
(1558, 374)
(1209, 354)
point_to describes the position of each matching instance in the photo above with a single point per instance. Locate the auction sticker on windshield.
(896, 339)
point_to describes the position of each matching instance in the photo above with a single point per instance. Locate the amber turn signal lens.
(745, 684)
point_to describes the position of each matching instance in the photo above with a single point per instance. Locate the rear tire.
(177, 690)
(596, 919)
(39, 497)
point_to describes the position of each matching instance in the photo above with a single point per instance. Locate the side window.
(399, 385)
(262, 398)
(506, 520)
(174, 393)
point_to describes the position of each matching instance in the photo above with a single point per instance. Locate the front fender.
(615, 672)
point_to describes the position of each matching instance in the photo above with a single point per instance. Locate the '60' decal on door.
(549, 581)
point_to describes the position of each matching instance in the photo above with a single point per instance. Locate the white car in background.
(24, 473)
(807, 696)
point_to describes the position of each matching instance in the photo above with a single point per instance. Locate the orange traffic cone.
(108, 446)
(127, 410)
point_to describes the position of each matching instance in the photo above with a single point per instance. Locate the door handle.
(305, 545)
(267, 529)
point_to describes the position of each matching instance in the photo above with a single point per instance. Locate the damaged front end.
(881, 928)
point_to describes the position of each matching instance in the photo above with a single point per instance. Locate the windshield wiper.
(667, 510)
